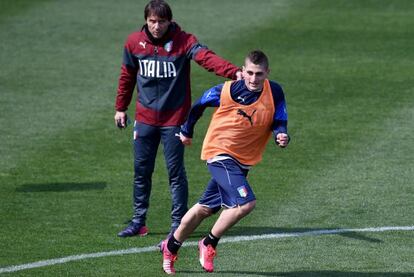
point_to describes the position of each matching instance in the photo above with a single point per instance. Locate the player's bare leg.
(229, 217)
(169, 247)
(191, 220)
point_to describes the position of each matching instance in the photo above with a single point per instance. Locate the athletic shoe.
(134, 229)
(168, 258)
(207, 254)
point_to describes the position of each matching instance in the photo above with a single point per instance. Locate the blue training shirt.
(240, 94)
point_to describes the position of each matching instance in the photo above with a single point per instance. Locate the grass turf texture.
(65, 171)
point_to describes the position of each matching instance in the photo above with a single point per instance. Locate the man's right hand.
(185, 140)
(239, 75)
(120, 119)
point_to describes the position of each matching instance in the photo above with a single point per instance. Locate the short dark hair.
(159, 8)
(258, 57)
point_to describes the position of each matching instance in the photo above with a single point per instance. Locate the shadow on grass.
(61, 187)
(196, 234)
(306, 273)
(246, 231)
(254, 231)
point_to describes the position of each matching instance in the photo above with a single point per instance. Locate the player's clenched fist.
(282, 139)
(185, 140)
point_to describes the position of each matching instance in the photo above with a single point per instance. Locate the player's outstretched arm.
(210, 98)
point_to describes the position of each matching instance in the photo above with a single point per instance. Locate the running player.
(248, 112)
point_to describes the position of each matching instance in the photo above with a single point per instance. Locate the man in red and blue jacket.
(157, 60)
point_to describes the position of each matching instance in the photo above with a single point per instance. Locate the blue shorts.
(228, 186)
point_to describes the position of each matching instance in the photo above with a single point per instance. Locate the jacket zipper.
(158, 88)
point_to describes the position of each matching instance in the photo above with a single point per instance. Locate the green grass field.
(347, 69)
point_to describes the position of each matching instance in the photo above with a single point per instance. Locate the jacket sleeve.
(214, 63)
(127, 79)
(208, 59)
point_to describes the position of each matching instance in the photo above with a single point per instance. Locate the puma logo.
(244, 114)
(143, 44)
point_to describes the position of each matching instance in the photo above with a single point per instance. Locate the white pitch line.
(50, 262)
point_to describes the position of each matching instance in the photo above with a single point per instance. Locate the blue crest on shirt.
(168, 46)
